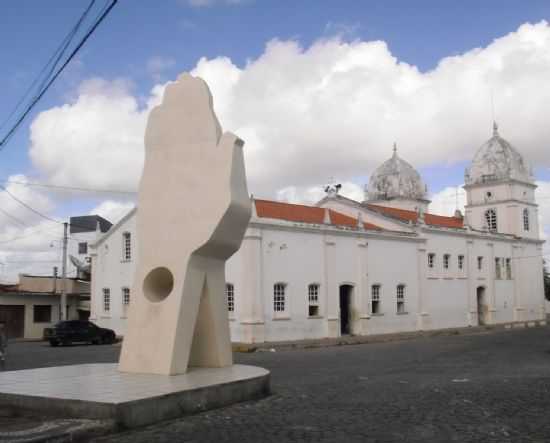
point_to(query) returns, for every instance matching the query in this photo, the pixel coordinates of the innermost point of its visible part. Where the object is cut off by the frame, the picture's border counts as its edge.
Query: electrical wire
(36, 99)
(30, 208)
(52, 63)
(68, 188)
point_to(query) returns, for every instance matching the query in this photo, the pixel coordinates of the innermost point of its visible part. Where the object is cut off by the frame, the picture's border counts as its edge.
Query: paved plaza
(492, 386)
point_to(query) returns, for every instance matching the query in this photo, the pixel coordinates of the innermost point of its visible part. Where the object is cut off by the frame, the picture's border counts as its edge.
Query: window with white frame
(106, 300)
(460, 262)
(491, 219)
(230, 296)
(279, 290)
(509, 268)
(125, 296)
(313, 299)
(375, 299)
(479, 263)
(126, 246)
(446, 261)
(400, 299)
(498, 274)
(431, 260)
(526, 219)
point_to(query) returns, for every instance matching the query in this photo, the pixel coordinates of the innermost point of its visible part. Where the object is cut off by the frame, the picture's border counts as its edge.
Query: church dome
(396, 179)
(497, 160)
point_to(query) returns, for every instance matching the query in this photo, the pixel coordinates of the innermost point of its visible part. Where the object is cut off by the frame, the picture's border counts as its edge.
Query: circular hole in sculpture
(158, 284)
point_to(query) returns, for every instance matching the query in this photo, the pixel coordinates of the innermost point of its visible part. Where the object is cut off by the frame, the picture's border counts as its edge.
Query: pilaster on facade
(331, 287)
(491, 277)
(517, 251)
(472, 295)
(422, 322)
(251, 306)
(361, 291)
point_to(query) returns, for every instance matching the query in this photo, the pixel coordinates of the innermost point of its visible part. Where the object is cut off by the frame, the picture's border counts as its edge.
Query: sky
(319, 91)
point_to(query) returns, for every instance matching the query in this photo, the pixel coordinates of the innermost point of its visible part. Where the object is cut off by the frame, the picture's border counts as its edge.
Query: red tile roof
(430, 219)
(304, 214)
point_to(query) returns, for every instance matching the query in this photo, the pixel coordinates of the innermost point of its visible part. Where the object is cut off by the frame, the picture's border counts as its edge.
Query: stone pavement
(493, 386)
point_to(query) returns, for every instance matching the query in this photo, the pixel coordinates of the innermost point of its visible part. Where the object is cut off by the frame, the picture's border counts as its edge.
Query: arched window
(526, 219)
(400, 299)
(491, 219)
(279, 290)
(126, 246)
(230, 295)
(313, 299)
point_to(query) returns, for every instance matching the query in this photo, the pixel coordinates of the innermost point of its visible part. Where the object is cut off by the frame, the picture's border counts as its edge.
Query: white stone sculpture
(193, 211)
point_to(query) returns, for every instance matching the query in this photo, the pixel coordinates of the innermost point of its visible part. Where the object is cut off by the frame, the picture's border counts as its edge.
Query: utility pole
(63, 310)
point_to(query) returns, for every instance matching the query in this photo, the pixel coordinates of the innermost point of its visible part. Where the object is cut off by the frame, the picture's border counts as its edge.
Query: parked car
(72, 331)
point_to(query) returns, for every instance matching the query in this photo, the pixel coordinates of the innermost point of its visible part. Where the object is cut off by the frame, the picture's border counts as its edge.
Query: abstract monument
(193, 210)
(176, 357)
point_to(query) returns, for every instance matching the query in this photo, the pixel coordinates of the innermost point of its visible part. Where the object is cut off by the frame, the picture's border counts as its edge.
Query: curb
(379, 338)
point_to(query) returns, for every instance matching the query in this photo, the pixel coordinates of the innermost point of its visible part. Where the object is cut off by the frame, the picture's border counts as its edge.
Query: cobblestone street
(484, 387)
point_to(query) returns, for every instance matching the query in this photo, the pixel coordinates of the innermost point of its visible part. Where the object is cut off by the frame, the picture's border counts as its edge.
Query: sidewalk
(377, 338)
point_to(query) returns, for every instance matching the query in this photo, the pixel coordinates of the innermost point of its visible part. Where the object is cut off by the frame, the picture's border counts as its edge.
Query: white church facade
(383, 265)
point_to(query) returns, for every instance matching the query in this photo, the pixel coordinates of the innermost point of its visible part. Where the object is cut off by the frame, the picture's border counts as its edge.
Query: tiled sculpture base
(100, 391)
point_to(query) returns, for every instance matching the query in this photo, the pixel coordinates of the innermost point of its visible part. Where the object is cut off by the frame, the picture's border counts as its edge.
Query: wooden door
(13, 316)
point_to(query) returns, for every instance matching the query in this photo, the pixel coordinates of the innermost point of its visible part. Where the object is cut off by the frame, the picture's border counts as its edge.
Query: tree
(546, 277)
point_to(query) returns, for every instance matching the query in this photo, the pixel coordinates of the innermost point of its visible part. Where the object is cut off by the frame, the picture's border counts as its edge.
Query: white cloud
(311, 195)
(112, 210)
(448, 200)
(332, 109)
(28, 242)
(96, 141)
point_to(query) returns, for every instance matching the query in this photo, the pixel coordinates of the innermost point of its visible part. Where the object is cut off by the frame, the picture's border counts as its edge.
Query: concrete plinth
(100, 391)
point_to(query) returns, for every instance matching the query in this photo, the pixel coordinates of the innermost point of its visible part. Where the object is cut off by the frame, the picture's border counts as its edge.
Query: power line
(69, 188)
(99, 19)
(30, 208)
(52, 63)
(12, 217)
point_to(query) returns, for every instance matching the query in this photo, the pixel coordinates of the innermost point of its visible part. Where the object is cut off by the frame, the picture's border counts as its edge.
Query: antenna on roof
(394, 148)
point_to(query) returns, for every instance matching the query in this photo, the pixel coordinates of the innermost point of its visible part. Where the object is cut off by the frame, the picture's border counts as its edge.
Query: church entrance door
(346, 292)
(481, 306)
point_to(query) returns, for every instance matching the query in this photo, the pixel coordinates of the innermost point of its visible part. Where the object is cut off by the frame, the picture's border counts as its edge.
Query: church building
(383, 265)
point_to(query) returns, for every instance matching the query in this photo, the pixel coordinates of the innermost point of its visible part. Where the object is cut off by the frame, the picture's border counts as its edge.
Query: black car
(72, 331)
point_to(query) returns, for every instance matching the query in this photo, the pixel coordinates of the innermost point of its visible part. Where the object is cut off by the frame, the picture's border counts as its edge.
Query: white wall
(298, 255)
(109, 270)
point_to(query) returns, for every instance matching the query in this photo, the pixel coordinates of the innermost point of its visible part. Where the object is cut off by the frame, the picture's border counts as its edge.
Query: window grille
(491, 219)
(375, 299)
(125, 296)
(127, 246)
(431, 260)
(106, 299)
(313, 300)
(509, 269)
(279, 297)
(461, 262)
(446, 261)
(526, 219)
(498, 274)
(230, 294)
(400, 299)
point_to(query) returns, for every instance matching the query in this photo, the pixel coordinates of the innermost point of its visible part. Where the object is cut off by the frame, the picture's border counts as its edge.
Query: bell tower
(500, 190)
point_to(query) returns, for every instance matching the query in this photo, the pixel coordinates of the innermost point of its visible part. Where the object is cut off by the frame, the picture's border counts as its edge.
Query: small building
(33, 304)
